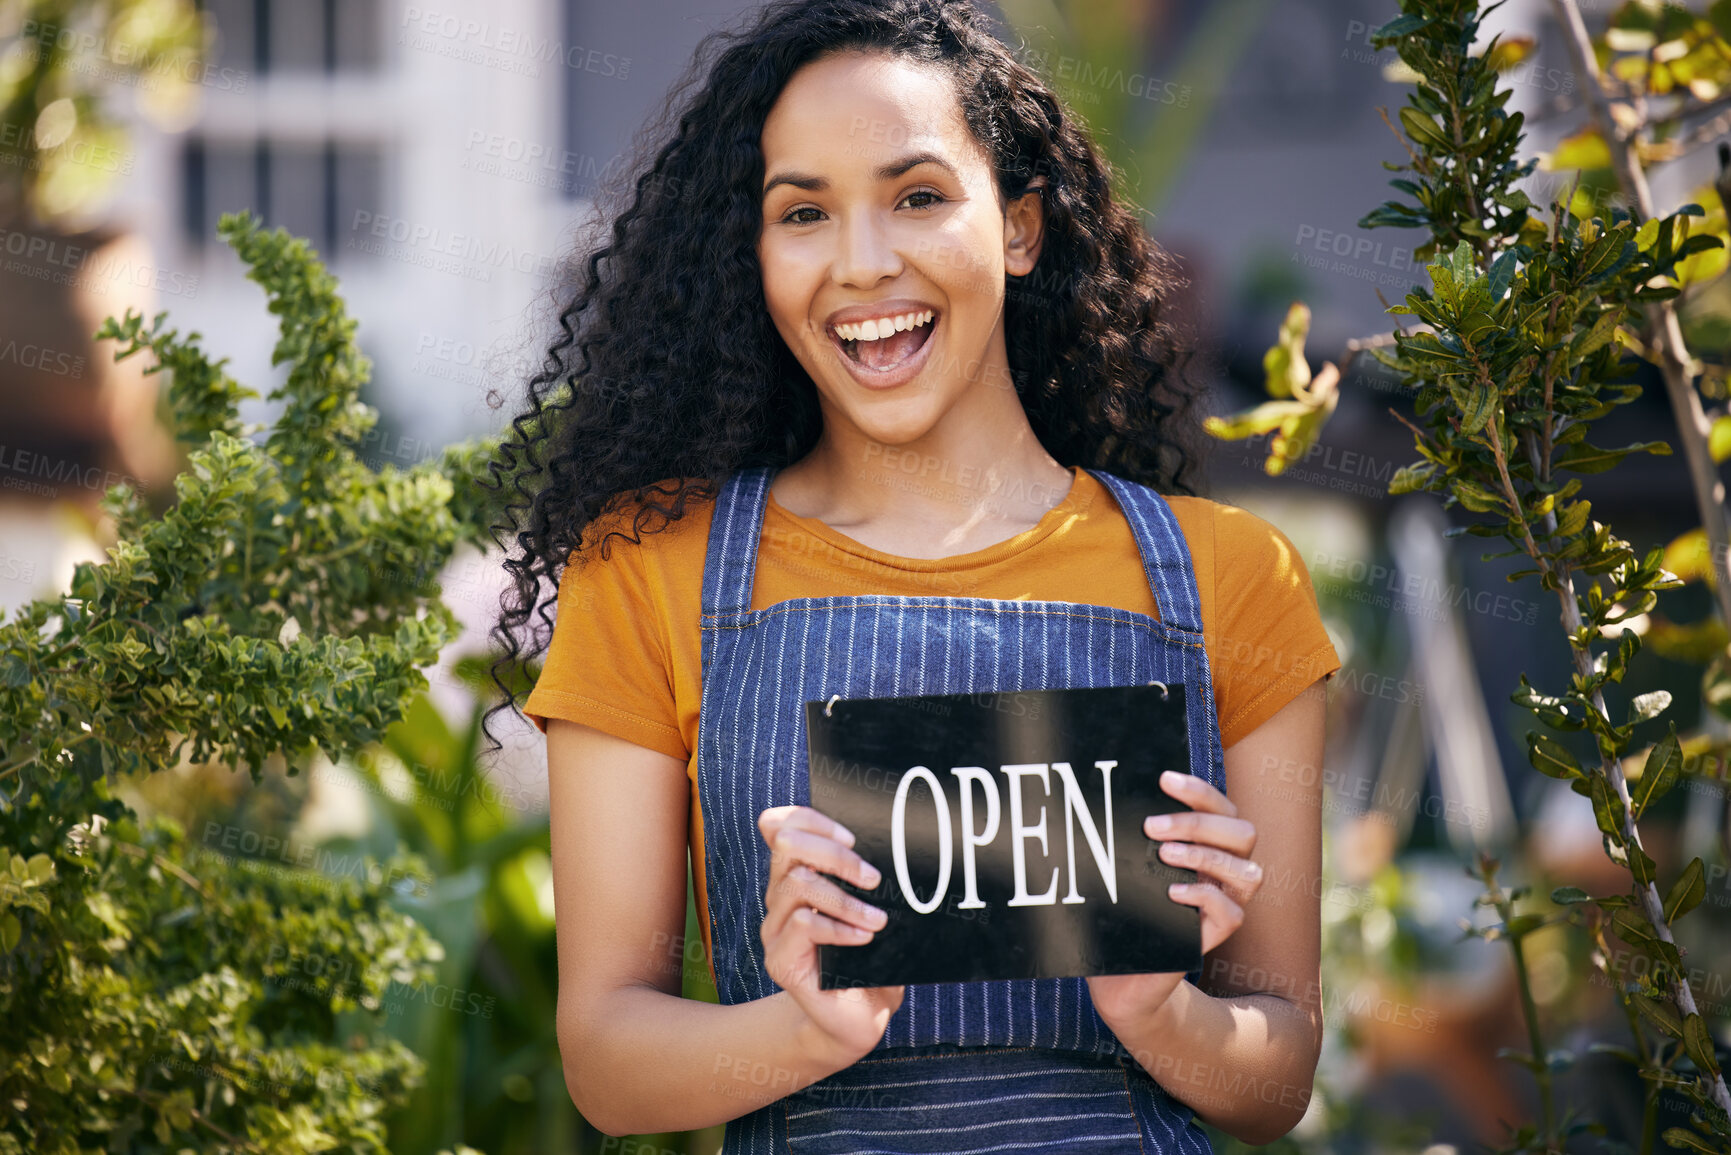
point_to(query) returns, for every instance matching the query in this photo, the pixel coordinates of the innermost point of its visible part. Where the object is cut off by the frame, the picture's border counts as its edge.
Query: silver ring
(1163, 694)
(833, 699)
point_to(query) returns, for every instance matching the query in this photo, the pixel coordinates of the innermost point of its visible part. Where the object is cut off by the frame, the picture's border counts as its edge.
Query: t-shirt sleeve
(1270, 643)
(606, 665)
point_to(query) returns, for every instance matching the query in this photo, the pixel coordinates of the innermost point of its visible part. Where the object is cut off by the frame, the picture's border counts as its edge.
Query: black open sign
(1008, 830)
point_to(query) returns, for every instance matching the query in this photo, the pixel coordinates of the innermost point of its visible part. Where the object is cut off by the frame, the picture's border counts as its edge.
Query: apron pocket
(973, 1100)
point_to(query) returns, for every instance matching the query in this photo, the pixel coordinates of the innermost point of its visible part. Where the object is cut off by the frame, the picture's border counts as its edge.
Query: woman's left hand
(1212, 840)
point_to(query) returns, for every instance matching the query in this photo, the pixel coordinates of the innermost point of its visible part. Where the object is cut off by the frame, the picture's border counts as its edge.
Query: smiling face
(884, 247)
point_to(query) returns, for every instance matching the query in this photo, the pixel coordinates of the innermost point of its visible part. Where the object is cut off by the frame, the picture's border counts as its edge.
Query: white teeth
(879, 328)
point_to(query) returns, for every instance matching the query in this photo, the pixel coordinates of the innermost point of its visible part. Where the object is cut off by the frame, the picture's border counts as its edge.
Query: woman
(872, 393)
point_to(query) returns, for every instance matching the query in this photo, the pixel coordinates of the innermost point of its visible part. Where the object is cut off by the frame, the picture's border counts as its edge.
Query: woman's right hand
(805, 909)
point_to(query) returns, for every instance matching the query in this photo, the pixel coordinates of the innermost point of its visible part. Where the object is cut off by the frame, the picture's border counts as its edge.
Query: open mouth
(879, 346)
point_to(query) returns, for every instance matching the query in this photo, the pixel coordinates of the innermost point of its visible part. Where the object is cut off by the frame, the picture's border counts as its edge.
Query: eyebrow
(890, 171)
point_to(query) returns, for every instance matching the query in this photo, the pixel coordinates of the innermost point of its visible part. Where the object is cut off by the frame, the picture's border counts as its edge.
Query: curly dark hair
(668, 375)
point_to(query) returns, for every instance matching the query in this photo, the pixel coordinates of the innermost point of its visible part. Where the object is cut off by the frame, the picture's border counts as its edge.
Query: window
(267, 36)
(311, 184)
(312, 189)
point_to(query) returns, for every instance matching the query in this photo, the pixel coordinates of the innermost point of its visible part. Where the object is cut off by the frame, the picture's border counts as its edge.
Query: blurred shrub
(155, 992)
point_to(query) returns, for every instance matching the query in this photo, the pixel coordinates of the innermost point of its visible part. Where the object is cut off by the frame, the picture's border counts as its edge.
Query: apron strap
(733, 536)
(1165, 556)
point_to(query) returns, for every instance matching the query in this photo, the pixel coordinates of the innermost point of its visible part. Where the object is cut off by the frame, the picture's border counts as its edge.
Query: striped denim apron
(962, 1067)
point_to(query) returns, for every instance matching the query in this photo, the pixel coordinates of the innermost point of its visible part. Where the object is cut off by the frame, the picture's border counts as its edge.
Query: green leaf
(1607, 808)
(1699, 1043)
(1296, 435)
(1480, 408)
(1404, 25)
(1659, 773)
(1502, 272)
(1686, 1140)
(1461, 264)
(1554, 712)
(1699, 243)
(1423, 130)
(1686, 892)
(1584, 458)
(1476, 499)
(1632, 927)
(1411, 478)
(1569, 895)
(1573, 518)
(11, 930)
(1391, 213)
(1660, 1014)
(1590, 341)
(1425, 346)
(39, 869)
(1476, 326)
(1265, 418)
(1286, 370)
(1641, 865)
(1550, 757)
(1646, 706)
(1606, 256)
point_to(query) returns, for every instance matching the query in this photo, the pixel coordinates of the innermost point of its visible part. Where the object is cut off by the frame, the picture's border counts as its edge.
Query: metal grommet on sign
(1163, 694)
(833, 699)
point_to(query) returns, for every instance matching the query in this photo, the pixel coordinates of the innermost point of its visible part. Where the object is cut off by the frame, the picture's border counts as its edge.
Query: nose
(865, 252)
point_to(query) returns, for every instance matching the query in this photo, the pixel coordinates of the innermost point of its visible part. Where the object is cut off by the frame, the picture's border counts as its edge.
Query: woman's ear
(1024, 228)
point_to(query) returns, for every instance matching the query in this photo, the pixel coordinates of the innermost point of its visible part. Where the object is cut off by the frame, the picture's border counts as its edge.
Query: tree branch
(1674, 362)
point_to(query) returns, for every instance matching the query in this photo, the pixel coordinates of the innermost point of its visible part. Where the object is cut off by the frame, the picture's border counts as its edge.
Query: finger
(1238, 877)
(776, 819)
(792, 962)
(816, 927)
(1197, 793)
(1234, 835)
(801, 818)
(1220, 915)
(804, 887)
(792, 845)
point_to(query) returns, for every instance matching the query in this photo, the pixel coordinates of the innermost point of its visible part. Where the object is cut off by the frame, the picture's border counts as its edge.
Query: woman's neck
(953, 491)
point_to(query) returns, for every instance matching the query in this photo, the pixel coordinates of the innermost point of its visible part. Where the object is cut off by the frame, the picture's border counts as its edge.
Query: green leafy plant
(1520, 353)
(147, 1000)
(495, 1067)
(1545, 1062)
(495, 1058)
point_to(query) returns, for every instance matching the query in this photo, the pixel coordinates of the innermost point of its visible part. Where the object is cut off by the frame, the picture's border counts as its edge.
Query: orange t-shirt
(625, 655)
